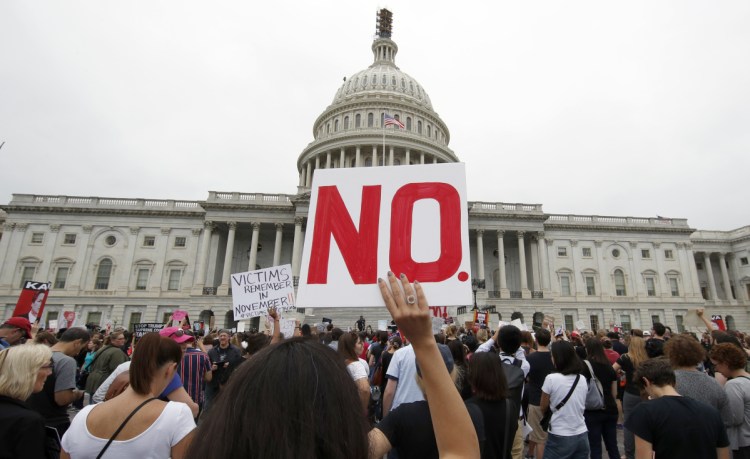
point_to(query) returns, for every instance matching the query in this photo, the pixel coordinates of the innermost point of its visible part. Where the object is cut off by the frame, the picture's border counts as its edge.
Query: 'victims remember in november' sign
(364, 222)
(254, 292)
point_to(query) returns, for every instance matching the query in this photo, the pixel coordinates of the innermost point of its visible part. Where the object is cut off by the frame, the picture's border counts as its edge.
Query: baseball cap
(177, 334)
(445, 353)
(646, 333)
(575, 334)
(21, 323)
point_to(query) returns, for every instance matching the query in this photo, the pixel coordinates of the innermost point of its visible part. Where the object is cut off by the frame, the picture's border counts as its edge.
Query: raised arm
(454, 430)
(274, 315)
(706, 322)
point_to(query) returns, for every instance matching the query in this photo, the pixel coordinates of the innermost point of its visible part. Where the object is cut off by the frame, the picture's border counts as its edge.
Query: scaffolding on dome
(384, 22)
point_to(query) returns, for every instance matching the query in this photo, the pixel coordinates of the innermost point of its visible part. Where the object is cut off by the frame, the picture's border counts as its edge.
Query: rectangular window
(650, 286)
(52, 315)
(674, 287)
(135, 318)
(180, 241)
(70, 239)
(61, 277)
(37, 238)
(590, 286)
(562, 251)
(680, 324)
(27, 275)
(142, 281)
(743, 261)
(174, 279)
(586, 252)
(698, 265)
(594, 322)
(569, 322)
(704, 292)
(565, 285)
(645, 254)
(149, 241)
(165, 317)
(94, 318)
(655, 319)
(625, 322)
(668, 254)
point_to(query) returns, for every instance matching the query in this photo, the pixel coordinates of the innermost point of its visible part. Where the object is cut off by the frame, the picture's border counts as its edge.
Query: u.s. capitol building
(132, 260)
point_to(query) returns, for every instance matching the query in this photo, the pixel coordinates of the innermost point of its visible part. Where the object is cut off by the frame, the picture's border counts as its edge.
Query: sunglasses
(178, 334)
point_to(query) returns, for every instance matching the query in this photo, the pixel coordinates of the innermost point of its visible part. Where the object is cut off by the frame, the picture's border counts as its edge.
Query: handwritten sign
(141, 329)
(253, 292)
(287, 327)
(364, 222)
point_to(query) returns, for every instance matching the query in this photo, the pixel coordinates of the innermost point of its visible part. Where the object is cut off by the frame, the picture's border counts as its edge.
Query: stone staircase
(346, 317)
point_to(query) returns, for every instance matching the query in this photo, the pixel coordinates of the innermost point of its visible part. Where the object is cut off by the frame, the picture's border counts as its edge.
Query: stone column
(739, 291)
(390, 157)
(709, 271)
(543, 261)
(277, 245)
(357, 157)
(46, 269)
(200, 276)
(296, 245)
(693, 270)
(407, 159)
(434, 160)
(725, 276)
(522, 263)
(342, 158)
(317, 162)
(501, 262)
(328, 159)
(5, 248)
(302, 176)
(534, 262)
(308, 172)
(421, 158)
(374, 156)
(480, 254)
(254, 247)
(228, 256)
(639, 286)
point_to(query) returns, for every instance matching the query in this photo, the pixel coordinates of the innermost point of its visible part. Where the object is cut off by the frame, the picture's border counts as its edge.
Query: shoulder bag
(594, 393)
(545, 422)
(122, 426)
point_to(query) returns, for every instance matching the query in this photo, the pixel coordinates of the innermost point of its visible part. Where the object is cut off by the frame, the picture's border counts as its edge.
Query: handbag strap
(591, 370)
(570, 392)
(122, 426)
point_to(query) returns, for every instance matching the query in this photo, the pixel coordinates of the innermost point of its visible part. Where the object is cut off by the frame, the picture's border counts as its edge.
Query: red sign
(31, 301)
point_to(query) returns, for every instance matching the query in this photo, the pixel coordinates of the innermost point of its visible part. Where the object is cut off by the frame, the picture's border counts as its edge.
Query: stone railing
(209, 290)
(461, 310)
(99, 202)
(537, 294)
(249, 198)
(598, 220)
(503, 207)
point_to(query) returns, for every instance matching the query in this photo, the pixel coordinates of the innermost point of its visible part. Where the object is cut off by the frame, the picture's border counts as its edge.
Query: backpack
(515, 377)
(594, 393)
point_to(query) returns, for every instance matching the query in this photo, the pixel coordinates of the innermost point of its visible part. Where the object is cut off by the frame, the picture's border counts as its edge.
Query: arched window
(346, 122)
(396, 162)
(229, 321)
(103, 273)
(336, 126)
(620, 283)
(429, 131)
(368, 161)
(411, 86)
(393, 80)
(328, 128)
(370, 119)
(408, 123)
(357, 120)
(419, 127)
(403, 84)
(364, 81)
(385, 81)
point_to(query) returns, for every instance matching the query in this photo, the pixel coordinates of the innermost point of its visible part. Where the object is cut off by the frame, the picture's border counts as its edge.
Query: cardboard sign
(69, 318)
(31, 301)
(481, 317)
(382, 325)
(287, 327)
(141, 329)
(53, 325)
(177, 316)
(253, 292)
(580, 325)
(364, 222)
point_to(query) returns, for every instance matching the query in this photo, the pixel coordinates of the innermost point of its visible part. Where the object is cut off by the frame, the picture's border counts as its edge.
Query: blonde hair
(19, 366)
(482, 335)
(637, 351)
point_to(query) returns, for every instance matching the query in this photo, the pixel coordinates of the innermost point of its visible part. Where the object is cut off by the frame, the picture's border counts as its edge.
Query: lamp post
(474, 288)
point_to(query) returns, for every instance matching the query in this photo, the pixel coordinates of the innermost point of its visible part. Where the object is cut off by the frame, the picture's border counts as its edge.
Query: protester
(105, 361)
(601, 424)
(487, 380)
(402, 384)
(156, 428)
(627, 363)
(376, 350)
(730, 361)
(60, 388)
(458, 351)
(335, 335)
(23, 371)
(350, 346)
(46, 338)
(685, 354)
(611, 354)
(195, 369)
(655, 345)
(540, 365)
(14, 331)
(567, 437)
(224, 359)
(670, 425)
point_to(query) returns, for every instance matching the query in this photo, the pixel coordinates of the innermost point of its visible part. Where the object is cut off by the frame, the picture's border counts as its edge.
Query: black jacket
(21, 430)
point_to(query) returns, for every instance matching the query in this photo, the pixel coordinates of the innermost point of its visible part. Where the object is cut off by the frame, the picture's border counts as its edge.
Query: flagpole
(383, 121)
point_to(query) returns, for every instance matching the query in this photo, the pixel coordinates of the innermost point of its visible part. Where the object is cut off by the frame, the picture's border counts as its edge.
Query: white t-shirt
(569, 420)
(403, 368)
(101, 392)
(172, 425)
(358, 370)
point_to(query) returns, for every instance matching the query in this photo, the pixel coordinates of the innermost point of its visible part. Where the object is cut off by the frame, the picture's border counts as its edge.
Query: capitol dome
(349, 132)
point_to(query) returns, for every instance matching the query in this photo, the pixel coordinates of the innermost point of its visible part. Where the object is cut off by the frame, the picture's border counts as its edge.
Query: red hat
(21, 323)
(175, 333)
(575, 334)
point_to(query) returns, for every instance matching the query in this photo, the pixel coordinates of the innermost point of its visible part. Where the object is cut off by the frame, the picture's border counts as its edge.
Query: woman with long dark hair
(601, 423)
(350, 346)
(567, 436)
(136, 423)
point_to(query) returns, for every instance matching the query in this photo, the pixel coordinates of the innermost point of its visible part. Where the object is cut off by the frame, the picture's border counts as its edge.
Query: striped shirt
(194, 366)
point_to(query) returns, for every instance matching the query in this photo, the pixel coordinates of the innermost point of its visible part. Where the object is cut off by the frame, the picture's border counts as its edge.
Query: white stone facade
(134, 260)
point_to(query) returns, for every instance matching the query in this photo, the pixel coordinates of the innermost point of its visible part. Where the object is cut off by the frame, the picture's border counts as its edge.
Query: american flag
(388, 120)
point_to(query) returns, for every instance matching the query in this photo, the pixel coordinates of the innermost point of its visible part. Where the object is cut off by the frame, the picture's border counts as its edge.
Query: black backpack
(515, 377)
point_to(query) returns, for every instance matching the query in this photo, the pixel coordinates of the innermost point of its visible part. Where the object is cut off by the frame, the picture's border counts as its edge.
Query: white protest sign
(241, 326)
(580, 325)
(53, 325)
(518, 324)
(253, 292)
(382, 325)
(364, 222)
(437, 325)
(287, 327)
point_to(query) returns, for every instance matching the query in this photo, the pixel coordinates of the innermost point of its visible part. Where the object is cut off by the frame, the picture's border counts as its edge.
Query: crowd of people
(404, 392)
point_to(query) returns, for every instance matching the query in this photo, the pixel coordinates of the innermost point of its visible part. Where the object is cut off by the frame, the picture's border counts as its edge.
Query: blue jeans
(602, 425)
(573, 447)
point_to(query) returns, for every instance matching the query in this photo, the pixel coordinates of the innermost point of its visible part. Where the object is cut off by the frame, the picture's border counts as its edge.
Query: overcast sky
(636, 108)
